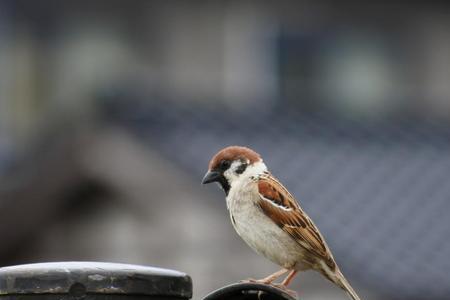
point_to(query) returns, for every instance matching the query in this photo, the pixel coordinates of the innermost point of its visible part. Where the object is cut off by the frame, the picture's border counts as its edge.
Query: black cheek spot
(241, 168)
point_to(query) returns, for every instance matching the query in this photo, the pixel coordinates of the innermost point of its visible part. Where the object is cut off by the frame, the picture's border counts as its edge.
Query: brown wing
(279, 205)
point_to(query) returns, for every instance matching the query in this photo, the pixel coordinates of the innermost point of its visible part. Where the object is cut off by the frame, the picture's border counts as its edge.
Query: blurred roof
(378, 191)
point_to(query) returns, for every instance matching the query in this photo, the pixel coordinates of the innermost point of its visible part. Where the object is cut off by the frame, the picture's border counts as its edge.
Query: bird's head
(232, 164)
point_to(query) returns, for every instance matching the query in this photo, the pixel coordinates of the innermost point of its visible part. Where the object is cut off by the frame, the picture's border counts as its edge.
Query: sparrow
(269, 219)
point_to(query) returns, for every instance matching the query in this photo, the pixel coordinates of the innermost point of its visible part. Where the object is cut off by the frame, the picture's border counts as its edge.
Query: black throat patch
(224, 184)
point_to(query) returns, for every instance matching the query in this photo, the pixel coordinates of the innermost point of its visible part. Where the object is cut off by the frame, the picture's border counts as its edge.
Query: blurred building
(110, 110)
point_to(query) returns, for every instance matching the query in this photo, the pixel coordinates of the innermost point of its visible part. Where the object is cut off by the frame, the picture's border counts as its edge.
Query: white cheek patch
(230, 173)
(255, 169)
(235, 165)
(251, 170)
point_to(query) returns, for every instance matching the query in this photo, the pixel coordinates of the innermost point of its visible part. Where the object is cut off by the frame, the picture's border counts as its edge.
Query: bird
(270, 220)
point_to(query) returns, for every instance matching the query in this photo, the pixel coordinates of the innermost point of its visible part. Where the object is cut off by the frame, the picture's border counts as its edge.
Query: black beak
(211, 176)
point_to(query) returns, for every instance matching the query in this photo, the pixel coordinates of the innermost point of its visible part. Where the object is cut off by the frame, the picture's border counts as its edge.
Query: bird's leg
(289, 278)
(274, 276)
(269, 279)
(283, 285)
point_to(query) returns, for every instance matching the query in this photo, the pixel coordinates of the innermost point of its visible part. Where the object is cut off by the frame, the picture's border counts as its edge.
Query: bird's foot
(267, 280)
(251, 280)
(277, 285)
(285, 289)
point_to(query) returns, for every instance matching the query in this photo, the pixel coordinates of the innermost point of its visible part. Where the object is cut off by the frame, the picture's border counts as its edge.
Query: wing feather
(280, 206)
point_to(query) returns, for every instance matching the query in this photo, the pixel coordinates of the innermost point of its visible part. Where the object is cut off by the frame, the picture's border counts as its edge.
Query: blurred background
(111, 110)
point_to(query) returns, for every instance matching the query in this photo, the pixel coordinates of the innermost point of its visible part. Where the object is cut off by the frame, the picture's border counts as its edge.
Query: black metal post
(249, 291)
(92, 281)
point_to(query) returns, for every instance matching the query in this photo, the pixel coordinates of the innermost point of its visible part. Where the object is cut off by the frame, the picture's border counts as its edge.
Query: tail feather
(345, 285)
(338, 278)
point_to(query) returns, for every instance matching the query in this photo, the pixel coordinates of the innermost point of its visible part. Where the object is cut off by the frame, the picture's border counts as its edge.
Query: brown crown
(232, 153)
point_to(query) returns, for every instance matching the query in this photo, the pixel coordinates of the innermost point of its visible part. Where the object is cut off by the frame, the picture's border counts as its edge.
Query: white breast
(258, 230)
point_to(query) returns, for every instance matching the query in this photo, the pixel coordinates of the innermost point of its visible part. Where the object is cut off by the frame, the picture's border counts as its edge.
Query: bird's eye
(225, 164)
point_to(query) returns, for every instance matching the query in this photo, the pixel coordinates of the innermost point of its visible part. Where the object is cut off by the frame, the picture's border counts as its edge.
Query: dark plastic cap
(80, 278)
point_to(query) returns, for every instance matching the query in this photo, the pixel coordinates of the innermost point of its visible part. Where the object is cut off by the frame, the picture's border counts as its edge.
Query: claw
(285, 289)
(269, 279)
(251, 280)
(292, 293)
